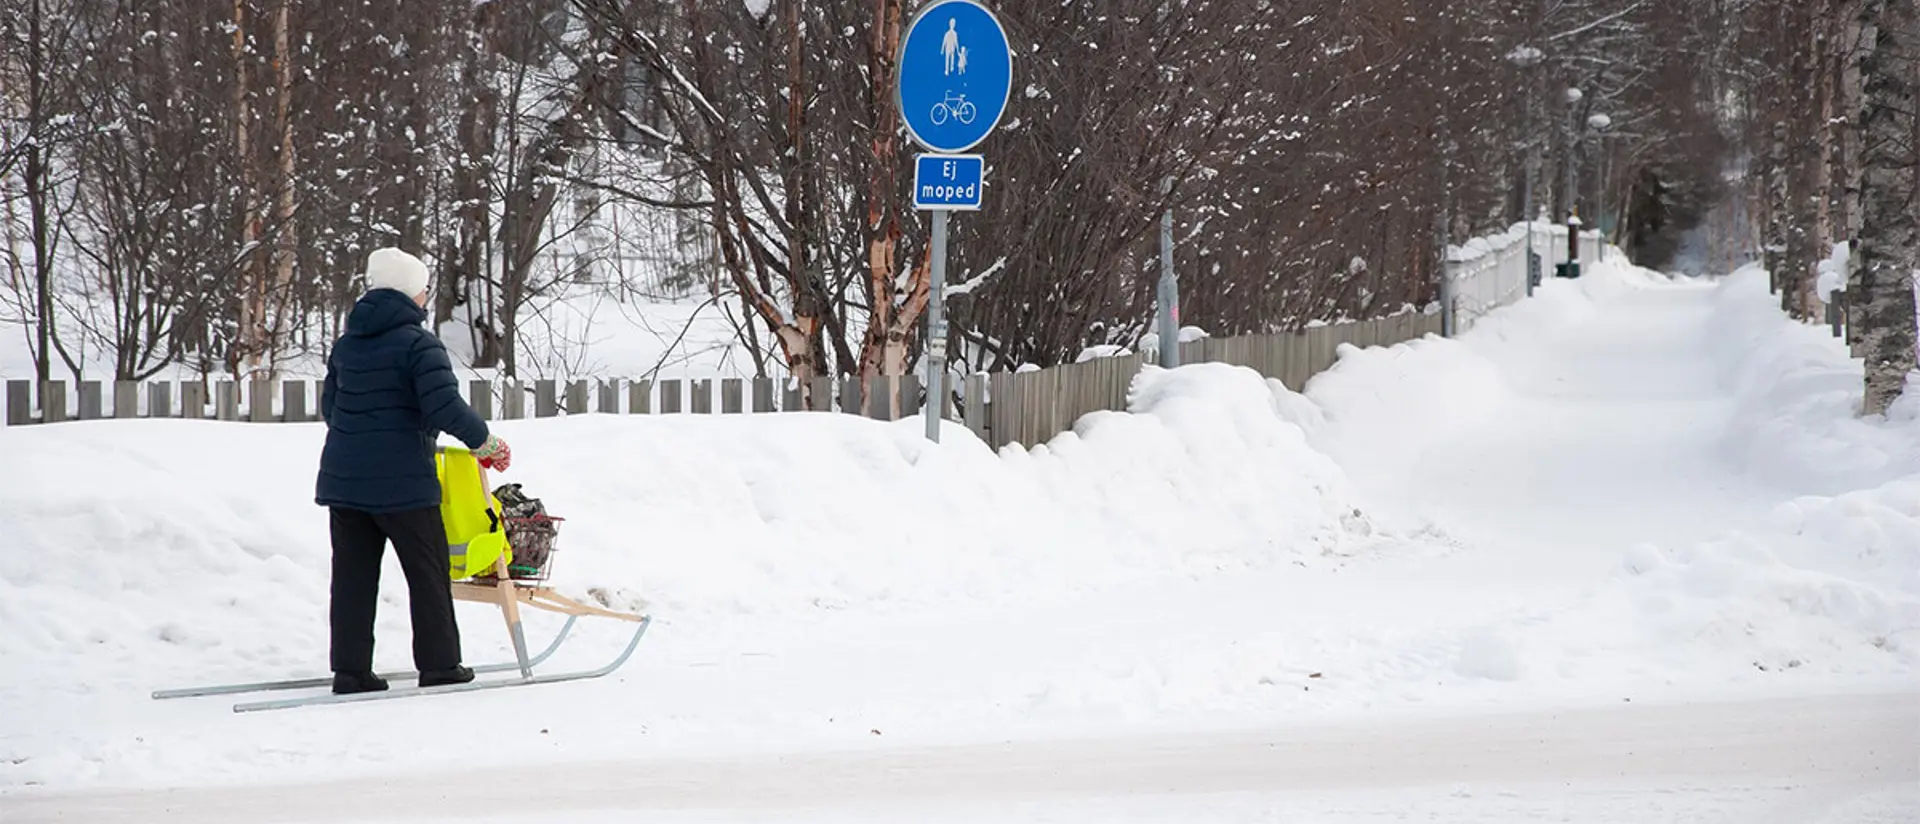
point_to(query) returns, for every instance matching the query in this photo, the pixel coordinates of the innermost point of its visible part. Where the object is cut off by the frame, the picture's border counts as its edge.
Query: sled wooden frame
(503, 592)
(509, 594)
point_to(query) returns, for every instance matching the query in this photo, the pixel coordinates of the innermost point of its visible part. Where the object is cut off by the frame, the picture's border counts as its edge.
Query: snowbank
(1798, 392)
(135, 539)
(120, 523)
(1830, 583)
(1830, 586)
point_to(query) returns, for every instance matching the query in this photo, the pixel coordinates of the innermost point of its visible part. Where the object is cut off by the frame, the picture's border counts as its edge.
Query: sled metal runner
(327, 680)
(504, 592)
(475, 685)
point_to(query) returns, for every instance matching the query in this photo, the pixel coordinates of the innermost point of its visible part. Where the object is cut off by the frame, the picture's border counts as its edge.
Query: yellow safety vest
(475, 535)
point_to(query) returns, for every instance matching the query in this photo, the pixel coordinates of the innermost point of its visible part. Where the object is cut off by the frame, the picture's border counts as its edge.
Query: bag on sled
(530, 531)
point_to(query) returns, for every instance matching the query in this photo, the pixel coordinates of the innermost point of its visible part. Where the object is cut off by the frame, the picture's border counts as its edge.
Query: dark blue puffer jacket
(390, 390)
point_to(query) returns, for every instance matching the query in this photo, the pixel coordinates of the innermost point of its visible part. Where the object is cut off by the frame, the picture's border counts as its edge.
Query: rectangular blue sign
(943, 181)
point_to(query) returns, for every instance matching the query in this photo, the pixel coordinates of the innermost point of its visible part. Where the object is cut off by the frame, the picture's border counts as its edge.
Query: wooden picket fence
(1032, 407)
(1001, 408)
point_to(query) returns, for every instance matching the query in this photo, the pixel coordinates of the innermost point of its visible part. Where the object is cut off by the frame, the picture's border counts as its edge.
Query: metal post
(1526, 202)
(1576, 139)
(1533, 261)
(1527, 56)
(1526, 187)
(937, 330)
(1169, 294)
(1446, 284)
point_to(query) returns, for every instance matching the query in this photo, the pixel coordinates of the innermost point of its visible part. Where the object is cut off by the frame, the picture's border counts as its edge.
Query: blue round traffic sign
(955, 73)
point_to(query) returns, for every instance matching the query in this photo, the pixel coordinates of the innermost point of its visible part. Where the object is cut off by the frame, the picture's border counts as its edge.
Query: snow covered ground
(1626, 491)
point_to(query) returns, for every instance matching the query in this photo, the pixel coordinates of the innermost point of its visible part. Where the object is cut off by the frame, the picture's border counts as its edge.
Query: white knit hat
(391, 268)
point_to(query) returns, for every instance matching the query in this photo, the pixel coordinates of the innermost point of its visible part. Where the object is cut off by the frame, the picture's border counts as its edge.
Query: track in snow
(1799, 758)
(1608, 438)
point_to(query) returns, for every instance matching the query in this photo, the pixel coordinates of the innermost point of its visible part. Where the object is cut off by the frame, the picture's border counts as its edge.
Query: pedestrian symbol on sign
(950, 48)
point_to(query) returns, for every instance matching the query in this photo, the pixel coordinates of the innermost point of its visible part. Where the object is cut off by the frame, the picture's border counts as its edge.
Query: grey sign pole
(1169, 293)
(936, 406)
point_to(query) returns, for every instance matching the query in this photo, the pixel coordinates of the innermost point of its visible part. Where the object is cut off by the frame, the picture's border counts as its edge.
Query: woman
(390, 390)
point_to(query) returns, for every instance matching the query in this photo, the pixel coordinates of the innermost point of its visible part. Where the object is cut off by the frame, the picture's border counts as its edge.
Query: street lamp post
(1527, 57)
(1574, 96)
(1597, 124)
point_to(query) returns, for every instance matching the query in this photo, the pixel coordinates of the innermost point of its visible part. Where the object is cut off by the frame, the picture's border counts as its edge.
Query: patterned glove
(494, 454)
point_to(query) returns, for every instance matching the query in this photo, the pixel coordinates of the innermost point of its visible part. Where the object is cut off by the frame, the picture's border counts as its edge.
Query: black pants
(420, 540)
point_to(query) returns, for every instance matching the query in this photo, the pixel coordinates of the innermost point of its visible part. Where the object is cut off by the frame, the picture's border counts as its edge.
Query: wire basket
(531, 532)
(532, 538)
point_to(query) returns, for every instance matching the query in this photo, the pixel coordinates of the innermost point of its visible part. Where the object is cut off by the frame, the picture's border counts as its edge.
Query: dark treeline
(197, 180)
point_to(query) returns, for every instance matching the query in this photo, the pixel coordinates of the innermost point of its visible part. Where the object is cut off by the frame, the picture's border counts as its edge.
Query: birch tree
(897, 299)
(1889, 256)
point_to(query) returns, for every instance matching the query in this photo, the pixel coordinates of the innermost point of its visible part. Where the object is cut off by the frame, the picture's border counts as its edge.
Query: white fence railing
(1490, 271)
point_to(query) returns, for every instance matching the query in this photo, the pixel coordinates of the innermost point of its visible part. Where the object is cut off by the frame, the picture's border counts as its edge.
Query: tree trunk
(1826, 133)
(802, 338)
(1852, 96)
(37, 171)
(1798, 216)
(1890, 234)
(284, 230)
(1776, 208)
(39, 189)
(896, 310)
(478, 120)
(248, 335)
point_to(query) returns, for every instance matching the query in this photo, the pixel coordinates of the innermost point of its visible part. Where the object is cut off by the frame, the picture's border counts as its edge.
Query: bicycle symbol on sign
(956, 107)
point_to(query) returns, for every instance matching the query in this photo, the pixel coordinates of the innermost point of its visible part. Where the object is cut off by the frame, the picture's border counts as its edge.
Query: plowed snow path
(1608, 436)
(1836, 759)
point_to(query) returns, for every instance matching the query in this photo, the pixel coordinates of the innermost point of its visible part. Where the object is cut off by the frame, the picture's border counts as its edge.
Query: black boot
(458, 674)
(350, 682)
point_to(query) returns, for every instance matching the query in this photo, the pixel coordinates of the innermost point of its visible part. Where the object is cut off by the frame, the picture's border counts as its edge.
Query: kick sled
(500, 555)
